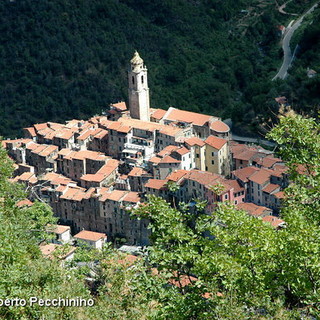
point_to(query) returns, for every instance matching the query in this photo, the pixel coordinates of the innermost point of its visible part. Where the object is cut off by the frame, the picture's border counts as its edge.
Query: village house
(217, 155)
(62, 233)
(92, 239)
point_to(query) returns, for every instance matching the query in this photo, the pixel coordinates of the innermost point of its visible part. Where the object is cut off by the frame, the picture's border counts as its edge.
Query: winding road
(287, 54)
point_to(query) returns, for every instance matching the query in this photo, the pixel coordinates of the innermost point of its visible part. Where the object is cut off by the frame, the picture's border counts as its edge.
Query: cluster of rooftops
(89, 161)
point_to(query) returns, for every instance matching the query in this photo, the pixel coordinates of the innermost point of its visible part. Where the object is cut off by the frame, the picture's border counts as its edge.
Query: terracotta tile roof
(136, 172)
(158, 114)
(48, 249)
(187, 116)
(90, 235)
(61, 188)
(40, 126)
(85, 134)
(118, 126)
(194, 141)
(177, 175)
(155, 160)
(32, 146)
(132, 197)
(268, 161)
(235, 185)
(244, 173)
(202, 177)
(45, 131)
(167, 150)
(55, 125)
(74, 123)
(253, 209)
(31, 131)
(279, 170)
(215, 142)
(24, 203)
(219, 126)
(169, 159)
(65, 134)
(73, 193)
(270, 188)
(17, 142)
(48, 151)
(83, 154)
(39, 148)
(182, 151)
(246, 155)
(109, 167)
(58, 229)
(261, 176)
(64, 152)
(279, 195)
(121, 106)
(97, 177)
(156, 184)
(115, 195)
(56, 179)
(274, 221)
(26, 177)
(101, 134)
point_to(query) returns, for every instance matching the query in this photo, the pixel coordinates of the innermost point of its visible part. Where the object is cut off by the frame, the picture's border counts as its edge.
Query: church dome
(136, 59)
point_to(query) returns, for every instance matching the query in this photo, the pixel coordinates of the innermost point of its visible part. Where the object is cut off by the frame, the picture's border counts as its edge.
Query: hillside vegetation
(68, 59)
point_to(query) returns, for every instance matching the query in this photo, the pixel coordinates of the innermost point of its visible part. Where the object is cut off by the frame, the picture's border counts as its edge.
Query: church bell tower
(139, 103)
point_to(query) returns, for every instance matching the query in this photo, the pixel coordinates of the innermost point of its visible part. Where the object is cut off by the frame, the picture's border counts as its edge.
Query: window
(142, 79)
(132, 79)
(226, 196)
(212, 153)
(212, 161)
(197, 155)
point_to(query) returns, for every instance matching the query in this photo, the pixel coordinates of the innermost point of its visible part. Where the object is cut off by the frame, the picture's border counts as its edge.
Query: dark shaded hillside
(67, 59)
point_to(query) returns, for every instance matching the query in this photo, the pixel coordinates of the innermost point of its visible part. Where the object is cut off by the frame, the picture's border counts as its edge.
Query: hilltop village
(93, 172)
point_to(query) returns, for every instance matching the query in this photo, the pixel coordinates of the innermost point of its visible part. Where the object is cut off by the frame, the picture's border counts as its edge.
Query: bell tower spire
(139, 103)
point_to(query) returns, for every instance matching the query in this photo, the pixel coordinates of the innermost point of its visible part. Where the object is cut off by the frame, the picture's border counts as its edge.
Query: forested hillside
(67, 59)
